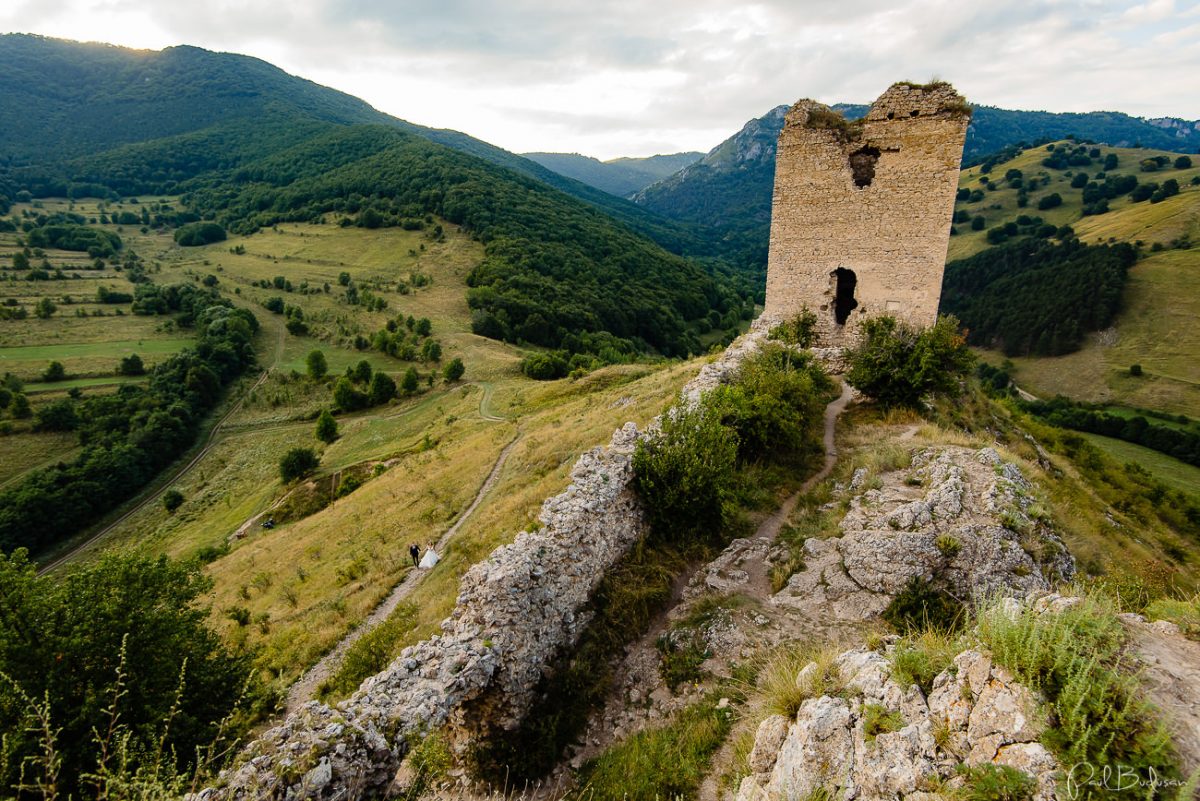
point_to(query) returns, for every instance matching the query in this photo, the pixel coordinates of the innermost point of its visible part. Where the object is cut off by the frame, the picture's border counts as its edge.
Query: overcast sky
(637, 77)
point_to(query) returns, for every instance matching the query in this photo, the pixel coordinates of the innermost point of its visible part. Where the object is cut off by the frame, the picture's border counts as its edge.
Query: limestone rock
(951, 518)
(979, 712)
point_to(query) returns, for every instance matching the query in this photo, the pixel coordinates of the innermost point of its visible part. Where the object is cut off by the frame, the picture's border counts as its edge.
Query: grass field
(1158, 329)
(1126, 221)
(1172, 472)
(90, 359)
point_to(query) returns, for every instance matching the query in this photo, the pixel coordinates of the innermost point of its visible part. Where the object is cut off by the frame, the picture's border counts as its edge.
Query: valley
(255, 350)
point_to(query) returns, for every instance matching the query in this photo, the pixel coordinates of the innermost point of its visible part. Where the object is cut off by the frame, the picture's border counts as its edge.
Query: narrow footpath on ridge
(644, 651)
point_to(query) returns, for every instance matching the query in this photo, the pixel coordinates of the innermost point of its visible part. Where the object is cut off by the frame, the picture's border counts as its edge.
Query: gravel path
(306, 685)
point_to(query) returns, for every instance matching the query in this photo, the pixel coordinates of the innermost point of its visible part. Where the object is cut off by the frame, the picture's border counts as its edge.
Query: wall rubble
(516, 613)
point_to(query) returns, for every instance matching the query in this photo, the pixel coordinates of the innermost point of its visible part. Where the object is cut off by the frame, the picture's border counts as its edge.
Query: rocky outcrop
(878, 739)
(961, 519)
(516, 613)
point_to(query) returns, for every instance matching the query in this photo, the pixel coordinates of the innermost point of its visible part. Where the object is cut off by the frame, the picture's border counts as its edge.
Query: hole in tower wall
(862, 164)
(843, 297)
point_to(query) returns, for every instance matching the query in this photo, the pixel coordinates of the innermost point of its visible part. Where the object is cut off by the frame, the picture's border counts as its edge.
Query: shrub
(44, 309)
(297, 463)
(316, 365)
(1183, 162)
(124, 628)
(978, 223)
(347, 398)
(383, 388)
(132, 365)
(800, 330)
(410, 381)
(685, 474)
(1077, 659)
(1050, 201)
(360, 373)
(172, 499)
(54, 372)
(454, 370)
(20, 407)
(897, 365)
(57, 416)
(327, 430)
(921, 606)
(1135, 370)
(199, 233)
(544, 366)
(773, 403)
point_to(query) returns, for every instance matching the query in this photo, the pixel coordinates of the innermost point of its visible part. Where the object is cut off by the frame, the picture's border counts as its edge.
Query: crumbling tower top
(861, 212)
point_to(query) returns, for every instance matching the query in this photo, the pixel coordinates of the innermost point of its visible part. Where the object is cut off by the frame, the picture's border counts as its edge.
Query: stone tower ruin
(861, 213)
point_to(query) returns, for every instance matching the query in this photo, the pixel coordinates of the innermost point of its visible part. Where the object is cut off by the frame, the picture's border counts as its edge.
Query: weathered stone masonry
(861, 213)
(517, 612)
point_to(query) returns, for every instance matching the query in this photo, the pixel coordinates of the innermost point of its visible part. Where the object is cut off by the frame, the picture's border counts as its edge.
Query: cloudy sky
(637, 77)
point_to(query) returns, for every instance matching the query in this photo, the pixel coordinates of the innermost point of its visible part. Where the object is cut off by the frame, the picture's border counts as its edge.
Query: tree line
(1037, 297)
(1180, 443)
(128, 437)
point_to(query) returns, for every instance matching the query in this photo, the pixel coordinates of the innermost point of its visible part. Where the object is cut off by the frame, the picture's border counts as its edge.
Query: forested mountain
(159, 117)
(622, 176)
(249, 145)
(730, 188)
(66, 99)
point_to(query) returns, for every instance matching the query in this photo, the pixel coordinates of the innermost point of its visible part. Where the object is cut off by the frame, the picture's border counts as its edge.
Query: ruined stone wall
(876, 198)
(517, 612)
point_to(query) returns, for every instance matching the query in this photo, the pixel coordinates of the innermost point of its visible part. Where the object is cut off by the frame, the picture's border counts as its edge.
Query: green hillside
(68, 98)
(559, 272)
(1155, 326)
(81, 118)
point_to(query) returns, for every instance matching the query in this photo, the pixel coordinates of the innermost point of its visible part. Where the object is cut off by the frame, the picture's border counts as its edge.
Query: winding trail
(643, 651)
(306, 685)
(770, 527)
(759, 584)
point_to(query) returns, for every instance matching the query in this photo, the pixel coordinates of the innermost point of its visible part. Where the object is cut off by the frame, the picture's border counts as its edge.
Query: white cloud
(625, 77)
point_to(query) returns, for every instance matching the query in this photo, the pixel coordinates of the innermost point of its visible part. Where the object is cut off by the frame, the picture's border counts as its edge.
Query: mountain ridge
(620, 176)
(730, 188)
(167, 93)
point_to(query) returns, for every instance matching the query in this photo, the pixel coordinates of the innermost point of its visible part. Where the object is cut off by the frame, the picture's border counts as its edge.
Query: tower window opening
(843, 298)
(862, 165)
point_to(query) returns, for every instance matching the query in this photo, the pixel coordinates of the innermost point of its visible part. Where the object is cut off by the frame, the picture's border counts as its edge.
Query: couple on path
(429, 560)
